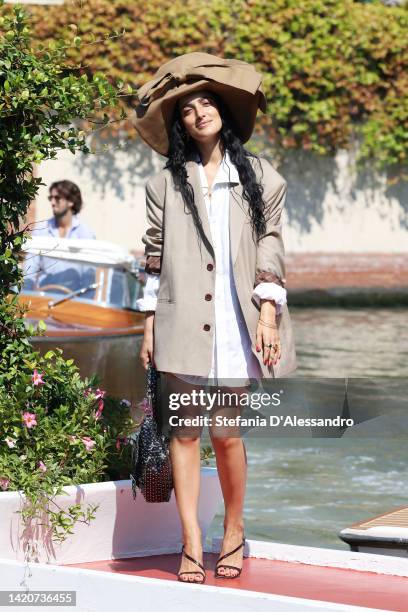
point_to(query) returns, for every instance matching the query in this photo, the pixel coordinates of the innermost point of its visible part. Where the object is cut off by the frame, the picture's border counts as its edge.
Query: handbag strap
(154, 394)
(151, 384)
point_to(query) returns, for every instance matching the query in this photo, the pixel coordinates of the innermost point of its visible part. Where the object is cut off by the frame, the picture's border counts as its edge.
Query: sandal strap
(228, 554)
(193, 560)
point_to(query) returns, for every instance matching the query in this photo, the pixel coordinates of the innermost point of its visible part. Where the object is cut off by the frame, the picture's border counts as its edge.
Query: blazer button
(206, 327)
(208, 297)
(210, 267)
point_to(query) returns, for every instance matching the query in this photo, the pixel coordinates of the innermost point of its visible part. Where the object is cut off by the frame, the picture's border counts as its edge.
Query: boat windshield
(109, 285)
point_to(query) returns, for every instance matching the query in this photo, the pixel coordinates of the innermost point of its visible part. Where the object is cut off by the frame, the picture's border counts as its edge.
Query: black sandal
(239, 569)
(183, 552)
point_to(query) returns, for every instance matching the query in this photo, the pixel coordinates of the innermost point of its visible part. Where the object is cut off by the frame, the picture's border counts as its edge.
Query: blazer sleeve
(153, 238)
(270, 257)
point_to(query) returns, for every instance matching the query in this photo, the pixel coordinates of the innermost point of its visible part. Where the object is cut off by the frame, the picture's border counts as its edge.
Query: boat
(385, 534)
(86, 291)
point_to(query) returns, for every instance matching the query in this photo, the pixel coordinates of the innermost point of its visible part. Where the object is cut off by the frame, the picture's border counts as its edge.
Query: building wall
(330, 207)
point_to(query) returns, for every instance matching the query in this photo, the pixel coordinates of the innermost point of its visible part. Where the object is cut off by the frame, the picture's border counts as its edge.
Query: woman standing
(214, 299)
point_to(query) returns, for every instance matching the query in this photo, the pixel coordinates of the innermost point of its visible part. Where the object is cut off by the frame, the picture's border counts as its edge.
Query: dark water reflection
(305, 490)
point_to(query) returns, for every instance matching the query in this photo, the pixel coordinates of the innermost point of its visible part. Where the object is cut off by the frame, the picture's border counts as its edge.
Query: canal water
(304, 490)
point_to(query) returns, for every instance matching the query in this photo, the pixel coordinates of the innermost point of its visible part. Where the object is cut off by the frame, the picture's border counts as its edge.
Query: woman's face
(200, 115)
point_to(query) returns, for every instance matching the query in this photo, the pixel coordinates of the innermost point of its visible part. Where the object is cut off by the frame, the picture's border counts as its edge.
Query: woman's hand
(146, 350)
(267, 333)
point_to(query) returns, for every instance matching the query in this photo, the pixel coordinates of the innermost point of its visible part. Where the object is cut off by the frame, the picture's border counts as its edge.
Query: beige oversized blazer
(185, 315)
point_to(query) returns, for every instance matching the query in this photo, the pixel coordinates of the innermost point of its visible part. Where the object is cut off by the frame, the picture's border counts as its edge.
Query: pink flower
(37, 378)
(29, 419)
(99, 393)
(99, 411)
(72, 438)
(120, 441)
(42, 466)
(11, 442)
(89, 443)
(4, 483)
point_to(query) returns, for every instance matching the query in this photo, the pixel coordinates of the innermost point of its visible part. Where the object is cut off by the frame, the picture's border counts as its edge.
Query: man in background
(66, 201)
(40, 270)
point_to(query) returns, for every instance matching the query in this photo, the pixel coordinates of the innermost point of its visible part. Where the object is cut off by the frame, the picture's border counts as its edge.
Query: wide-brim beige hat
(235, 81)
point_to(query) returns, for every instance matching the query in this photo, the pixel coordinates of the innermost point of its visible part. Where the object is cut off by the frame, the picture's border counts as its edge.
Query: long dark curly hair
(181, 146)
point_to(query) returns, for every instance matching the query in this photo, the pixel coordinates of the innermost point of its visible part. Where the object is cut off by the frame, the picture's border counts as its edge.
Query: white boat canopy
(80, 249)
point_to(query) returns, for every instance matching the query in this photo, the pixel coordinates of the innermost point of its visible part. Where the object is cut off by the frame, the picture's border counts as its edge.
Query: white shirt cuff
(150, 291)
(270, 291)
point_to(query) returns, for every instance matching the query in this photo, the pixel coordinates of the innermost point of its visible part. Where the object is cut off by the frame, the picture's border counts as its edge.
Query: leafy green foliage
(333, 69)
(55, 429)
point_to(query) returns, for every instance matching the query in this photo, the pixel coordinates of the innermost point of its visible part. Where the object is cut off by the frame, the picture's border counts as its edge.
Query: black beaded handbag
(150, 459)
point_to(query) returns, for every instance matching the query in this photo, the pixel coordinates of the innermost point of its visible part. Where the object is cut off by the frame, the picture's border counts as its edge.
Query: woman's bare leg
(232, 470)
(185, 459)
(186, 467)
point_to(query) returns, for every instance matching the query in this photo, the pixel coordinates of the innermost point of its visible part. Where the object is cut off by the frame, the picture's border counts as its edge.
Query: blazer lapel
(193, 178)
